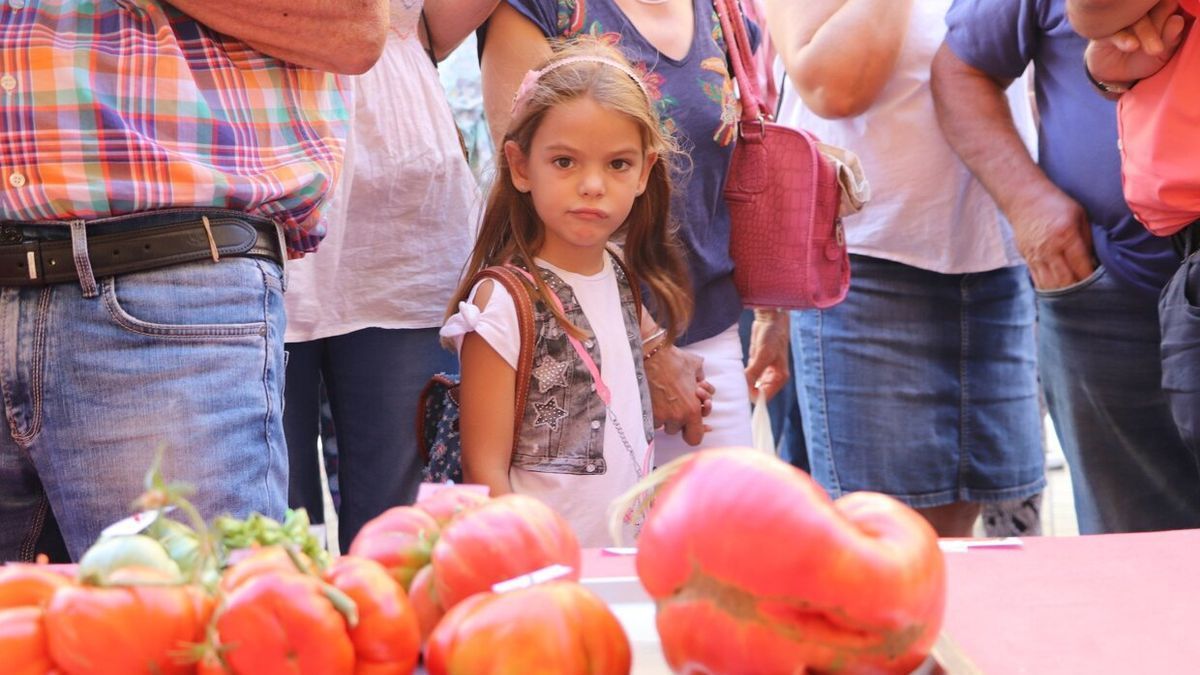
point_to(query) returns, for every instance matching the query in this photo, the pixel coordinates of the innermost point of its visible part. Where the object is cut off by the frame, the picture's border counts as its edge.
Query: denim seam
(964, 432)
(5, 391)
(266, 311)
(193, 332)
(28, 549)
(834, 479)
(24, 437)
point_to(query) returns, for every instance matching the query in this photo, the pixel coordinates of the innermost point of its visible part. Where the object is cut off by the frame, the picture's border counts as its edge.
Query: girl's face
(585, 167)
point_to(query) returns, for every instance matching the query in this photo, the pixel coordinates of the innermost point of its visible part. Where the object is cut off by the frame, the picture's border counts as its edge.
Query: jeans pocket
(1179, 319)
(1070, 289)
(228, 299)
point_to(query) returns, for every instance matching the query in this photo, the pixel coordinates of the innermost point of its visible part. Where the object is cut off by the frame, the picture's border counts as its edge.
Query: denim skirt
(923, 386)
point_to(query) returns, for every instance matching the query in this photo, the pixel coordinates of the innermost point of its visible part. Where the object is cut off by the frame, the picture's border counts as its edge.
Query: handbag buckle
(761, 120)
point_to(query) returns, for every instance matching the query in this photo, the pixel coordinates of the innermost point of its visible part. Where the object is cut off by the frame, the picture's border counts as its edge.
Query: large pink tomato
(755, 570)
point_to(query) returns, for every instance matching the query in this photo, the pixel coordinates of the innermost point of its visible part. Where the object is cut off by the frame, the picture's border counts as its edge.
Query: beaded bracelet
(658, 347)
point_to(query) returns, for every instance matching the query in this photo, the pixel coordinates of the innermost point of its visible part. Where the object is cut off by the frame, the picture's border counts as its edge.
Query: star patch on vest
(550, 374)
(549, 414)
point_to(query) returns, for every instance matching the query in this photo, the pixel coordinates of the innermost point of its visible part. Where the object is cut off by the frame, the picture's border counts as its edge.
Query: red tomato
(124, 629)
(424, 602)
(23, 649)
(449, 501)
(386, 638)
(504, 538)
(283, 623)
(400, 539)
(755, 570)
(558, 627)
(28, 585)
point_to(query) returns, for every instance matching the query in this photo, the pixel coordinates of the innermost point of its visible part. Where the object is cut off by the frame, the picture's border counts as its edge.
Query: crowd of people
(203, 201)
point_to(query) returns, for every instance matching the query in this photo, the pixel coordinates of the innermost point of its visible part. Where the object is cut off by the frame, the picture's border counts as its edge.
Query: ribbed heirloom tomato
(503, 538)
(139, 625)
(280, 623)
(400, 539)
(449, 501)
(425, 604)
(23, 649)
(755, 570)
(28, 585)
(558, 627)
(386, 638)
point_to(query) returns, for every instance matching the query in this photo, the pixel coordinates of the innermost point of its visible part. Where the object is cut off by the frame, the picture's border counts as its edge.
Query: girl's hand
(1140, 50)
(767, 368)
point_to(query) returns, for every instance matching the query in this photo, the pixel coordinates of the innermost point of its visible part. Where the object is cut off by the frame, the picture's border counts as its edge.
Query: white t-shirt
(582, 499)
(403, 219)
(926, 208)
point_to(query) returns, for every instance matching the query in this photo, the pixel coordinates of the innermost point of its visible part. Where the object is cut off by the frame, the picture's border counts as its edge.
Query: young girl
(584, 160)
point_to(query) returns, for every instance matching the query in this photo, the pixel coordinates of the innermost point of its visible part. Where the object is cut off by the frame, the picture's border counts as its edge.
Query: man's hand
(1141, 49)
(1055, 238)
(679, 394)
(767, 367)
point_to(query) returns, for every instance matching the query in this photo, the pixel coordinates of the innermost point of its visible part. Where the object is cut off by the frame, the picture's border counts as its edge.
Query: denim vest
(563, 427)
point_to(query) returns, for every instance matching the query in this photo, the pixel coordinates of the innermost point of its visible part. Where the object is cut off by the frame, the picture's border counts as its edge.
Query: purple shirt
(1077, 137)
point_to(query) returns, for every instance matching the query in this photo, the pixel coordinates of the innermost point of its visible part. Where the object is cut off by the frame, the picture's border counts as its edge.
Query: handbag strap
(741, 59)
(519, 291)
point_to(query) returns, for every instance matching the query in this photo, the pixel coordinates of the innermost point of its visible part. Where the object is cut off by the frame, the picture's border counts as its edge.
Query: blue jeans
(373, 378)
(1098, 346)
(923, 386)
(187, 360)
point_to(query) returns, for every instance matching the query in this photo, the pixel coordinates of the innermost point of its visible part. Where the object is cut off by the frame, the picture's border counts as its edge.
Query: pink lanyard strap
(601, 388)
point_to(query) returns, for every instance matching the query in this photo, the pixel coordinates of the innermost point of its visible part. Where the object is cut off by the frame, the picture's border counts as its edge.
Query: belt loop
(283, 256)
(83, 263)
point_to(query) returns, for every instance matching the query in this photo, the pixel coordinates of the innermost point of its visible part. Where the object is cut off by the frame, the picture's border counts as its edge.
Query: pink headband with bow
(531, 78)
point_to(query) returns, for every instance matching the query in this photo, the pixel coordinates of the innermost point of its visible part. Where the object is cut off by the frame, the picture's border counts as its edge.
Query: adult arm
(513, 47)
(451, 21)
(342, 36)
(767, 366)
(487, 407)
(680, 396)
(838, 53)
(1139, 50)
(1052, 230)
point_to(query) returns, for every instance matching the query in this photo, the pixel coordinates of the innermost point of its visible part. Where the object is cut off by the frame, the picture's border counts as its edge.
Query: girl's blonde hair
(511, 231)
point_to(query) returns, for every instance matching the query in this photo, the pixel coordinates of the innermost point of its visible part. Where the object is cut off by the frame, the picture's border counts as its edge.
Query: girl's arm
(838, 53)
(486, 410)
(451, 21)
(513, 47)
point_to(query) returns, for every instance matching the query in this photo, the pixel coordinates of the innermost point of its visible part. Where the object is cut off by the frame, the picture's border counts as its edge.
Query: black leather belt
(43, 262)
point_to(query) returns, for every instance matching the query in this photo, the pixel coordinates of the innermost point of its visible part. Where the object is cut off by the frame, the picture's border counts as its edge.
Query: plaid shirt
(120, 106)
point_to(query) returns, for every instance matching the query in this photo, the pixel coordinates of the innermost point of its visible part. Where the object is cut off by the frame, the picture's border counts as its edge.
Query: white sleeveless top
(402, 223)
(926, 208)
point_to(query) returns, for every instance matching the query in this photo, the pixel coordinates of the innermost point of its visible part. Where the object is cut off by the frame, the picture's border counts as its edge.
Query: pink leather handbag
(786, 238)
(1159, 122)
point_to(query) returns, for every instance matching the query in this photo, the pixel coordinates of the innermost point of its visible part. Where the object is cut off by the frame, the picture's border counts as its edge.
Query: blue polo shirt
(1077, 136)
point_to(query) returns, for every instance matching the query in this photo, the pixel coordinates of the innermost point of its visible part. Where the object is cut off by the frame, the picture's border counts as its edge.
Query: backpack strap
(526, 326)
